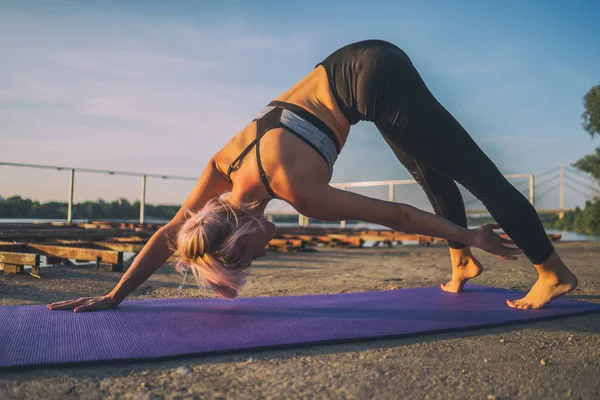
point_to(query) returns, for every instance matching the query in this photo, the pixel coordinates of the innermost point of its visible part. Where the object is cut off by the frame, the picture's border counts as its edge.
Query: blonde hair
(208, 244)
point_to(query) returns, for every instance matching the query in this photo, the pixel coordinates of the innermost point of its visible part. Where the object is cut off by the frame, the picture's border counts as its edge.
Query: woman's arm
(331, 204)
(158, 250)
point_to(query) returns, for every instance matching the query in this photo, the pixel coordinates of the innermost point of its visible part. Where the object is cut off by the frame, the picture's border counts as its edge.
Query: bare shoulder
(232, 149)
(220, 163)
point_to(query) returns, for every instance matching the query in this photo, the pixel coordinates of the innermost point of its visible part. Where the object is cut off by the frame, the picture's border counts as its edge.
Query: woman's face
(256, 242)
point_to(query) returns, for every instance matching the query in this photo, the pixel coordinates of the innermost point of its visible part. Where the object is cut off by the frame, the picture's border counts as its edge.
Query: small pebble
(69, 390)
(183, 371)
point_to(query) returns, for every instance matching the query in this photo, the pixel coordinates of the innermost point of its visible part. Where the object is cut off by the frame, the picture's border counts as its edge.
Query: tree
(591, 115)
(590, 164)
(591, 123)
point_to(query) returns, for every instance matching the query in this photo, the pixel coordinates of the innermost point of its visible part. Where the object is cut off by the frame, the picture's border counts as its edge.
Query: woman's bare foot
(555, 280)
(464, 267)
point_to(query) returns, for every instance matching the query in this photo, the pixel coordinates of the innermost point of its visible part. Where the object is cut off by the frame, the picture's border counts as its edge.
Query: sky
(160, 87)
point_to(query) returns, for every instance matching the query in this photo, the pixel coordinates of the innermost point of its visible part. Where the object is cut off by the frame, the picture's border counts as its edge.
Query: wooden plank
(89, 235)
(425, 240)
(286, 245)
(101, 245)
(129, 247)
(20, 258)
(306, 238)
(377, 238)
(402, 237)
(73, 242)
(354, 242)
(346, 241)
(12, 268)
(379, 232)
(97, 226)
(323, 239)
(297, 243)
(105, 256)
(131, 239)
(69, 243)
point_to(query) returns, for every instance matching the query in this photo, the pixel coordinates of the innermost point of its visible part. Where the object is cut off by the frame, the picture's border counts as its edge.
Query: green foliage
(121, 209)
(588, 219)
(591, 115)
(590, 164)
(582, 221)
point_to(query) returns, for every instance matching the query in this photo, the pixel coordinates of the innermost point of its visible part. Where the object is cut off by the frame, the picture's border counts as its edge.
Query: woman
(288, 152)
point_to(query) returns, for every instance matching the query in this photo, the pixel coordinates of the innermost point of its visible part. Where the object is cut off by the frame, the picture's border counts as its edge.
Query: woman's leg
(442, 192)
(447, 202)
(418, 124)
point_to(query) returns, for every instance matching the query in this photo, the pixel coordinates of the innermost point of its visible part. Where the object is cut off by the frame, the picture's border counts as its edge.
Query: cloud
(158, 97)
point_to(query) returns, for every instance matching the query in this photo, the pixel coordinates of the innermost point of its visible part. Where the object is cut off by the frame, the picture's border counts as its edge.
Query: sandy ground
(495, 363)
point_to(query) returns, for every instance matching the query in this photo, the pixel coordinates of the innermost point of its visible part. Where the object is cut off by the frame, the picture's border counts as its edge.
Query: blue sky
(159, 88)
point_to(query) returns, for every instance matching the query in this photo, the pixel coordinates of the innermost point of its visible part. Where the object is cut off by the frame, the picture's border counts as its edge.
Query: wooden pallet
(105, 242)
(15, 256)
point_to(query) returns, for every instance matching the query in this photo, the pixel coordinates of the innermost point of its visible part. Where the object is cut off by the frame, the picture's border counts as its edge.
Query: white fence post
(143, 201)
(343, 223)
(531, 191)
(71, 191)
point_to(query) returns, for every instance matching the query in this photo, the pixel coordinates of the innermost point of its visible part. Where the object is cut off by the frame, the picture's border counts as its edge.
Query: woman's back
(290, 164)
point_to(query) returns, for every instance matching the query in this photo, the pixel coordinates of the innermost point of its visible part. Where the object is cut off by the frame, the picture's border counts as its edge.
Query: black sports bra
(263, 125)
(272, 120)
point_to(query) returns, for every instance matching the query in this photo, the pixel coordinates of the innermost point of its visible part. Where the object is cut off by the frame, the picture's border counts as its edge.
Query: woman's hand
(85, 304)
(486, 239)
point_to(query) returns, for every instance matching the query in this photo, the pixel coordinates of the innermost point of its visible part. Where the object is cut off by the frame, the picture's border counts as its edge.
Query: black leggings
(438, 152)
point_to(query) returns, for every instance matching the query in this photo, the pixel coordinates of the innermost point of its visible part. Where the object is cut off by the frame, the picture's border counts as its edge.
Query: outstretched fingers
(506, 252)
(509, 253)
(84, 304)
(88, 306)
(66, 305)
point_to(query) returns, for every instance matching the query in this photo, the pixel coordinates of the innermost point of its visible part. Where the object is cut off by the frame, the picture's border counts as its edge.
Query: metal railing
(391, 186)
(72, 170)
(302, 220)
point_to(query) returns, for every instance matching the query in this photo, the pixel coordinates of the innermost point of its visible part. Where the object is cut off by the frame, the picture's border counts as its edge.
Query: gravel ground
(541, 360)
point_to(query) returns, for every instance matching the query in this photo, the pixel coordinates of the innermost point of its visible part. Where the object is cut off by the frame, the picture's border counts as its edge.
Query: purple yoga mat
(153, 329)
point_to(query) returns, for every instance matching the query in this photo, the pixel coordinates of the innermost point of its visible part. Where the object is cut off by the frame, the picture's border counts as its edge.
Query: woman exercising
(288, 152)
